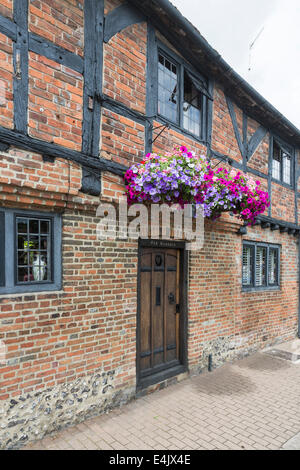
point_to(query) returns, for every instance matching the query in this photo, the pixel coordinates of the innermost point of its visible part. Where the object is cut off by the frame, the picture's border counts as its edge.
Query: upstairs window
(191, 106)
(282, 163)
(168, 89)
(260, 265)
(182, 95)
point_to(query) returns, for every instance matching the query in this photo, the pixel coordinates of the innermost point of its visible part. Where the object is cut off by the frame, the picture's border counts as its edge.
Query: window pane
(286, 160)
(260, 266)
(34, 226)
(247, 265)
(167, 89)
(23, 226)
(191, 107)
(273, 266)
(276, 161)
(33, 250)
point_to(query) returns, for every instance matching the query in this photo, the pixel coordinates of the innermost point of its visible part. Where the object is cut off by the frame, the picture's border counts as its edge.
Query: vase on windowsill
(39, 268)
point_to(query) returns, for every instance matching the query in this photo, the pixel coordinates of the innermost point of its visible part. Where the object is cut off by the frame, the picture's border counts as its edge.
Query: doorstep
(289, 351)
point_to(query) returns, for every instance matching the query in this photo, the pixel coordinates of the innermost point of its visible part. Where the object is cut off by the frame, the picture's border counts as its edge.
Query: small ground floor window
(261, 265)
(30, 251)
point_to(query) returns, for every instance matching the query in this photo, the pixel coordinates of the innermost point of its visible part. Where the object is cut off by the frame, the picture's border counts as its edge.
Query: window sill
(180, 129)
(30, 289)
(285, 185)
(261, 289)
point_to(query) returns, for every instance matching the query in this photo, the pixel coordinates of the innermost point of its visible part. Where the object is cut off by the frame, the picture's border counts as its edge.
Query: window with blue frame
(182, 95)
(33, 250)
(282, 163)
(30, 251)
(260, 265)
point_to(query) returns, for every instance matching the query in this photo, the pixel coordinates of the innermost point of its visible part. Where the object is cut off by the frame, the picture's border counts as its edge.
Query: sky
(230, 26)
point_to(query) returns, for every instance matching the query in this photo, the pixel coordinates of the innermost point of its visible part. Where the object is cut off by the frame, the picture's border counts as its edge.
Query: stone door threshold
(289, 351)
(284, 355)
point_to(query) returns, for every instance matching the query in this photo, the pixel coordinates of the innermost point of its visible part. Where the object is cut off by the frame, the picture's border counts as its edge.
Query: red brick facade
(54, 339)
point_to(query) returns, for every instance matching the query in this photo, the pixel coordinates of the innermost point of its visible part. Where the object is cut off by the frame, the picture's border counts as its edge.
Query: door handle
(171, 298)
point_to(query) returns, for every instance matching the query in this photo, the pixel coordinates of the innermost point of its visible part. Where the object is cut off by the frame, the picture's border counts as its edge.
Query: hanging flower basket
(182, 177)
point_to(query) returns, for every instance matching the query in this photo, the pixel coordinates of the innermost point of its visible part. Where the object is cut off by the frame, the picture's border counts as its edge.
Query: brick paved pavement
(251, 404)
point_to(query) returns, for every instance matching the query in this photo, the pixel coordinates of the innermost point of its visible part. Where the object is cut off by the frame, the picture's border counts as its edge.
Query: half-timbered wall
(78, 85)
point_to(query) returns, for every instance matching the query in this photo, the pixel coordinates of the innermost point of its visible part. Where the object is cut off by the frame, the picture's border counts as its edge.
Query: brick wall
(234, 322)
(6, 8)
(110, 5)
(170, 138)
(76, 348)
(59, 21)
(223, 138)
(55, 102)
(125, 67)
(122, 139)
(283, 206)
(260, 159)
(53, 338)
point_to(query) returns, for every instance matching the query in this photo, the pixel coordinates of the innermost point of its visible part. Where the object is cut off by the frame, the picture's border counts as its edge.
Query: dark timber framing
(151, 86)
(120, 18)
(247, 148)
(98, 29)
(270, 173)
(93, 67)
(20, 82)
(237, 134)
(8, 28)
(16, 139)
(42, 46)
(56, 53)
(255, 141)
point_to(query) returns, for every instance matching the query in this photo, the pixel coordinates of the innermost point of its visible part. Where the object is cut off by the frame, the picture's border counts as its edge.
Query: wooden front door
(160, 292)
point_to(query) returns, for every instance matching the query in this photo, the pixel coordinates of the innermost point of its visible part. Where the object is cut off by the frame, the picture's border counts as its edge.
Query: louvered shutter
(247, 265)
(260, 266)
(273, 266)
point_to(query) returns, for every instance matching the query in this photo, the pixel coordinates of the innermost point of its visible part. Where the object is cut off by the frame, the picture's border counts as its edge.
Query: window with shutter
(260, 265)
(273, 266)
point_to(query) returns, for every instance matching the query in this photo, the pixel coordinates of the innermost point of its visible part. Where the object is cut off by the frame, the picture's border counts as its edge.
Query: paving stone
(209, 411)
